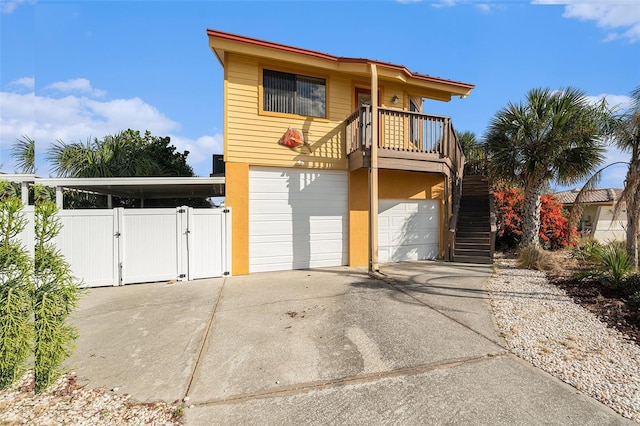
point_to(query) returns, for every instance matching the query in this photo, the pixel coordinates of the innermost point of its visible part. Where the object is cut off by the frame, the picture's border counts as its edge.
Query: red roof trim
(326, 56)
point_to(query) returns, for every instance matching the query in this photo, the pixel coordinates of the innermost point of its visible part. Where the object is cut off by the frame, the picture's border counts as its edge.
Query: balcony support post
(447, 218)
(373, 175)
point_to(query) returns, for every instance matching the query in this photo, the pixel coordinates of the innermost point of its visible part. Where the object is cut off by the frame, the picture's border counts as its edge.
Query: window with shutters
(294, 94)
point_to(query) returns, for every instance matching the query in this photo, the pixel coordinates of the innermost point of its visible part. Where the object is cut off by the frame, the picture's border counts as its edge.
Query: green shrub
(56, 295)
(631, 284)
(615, 264)
(634, 300)
(16, 288)
(586, 249)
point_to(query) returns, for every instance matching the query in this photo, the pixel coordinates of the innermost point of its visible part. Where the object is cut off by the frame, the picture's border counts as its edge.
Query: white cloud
(76, 118)
(482, 7)
(200, 150)
(8, 6)
(444, 3)
(75, 85)
(621, 16)
(24, 82)
(618, 102)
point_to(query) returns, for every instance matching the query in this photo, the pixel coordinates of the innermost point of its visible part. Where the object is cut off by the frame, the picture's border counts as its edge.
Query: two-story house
(374, 180)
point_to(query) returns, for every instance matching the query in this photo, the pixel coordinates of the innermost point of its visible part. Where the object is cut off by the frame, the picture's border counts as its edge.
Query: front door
(362, 97)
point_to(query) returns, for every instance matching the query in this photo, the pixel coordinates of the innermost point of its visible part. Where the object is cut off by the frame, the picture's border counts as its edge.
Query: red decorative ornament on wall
(292, 138)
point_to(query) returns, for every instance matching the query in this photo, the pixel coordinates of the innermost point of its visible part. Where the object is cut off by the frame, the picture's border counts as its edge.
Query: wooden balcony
(406, 141)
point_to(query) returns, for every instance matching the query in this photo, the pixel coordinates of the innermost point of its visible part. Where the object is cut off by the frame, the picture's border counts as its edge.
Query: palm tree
(553, 136)
(467, 140)
(474, 152)
(627, 139)
(24, 151)
(111, 157)
(121, 155)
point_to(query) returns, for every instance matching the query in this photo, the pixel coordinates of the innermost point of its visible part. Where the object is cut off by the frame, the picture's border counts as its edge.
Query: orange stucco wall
(358, 218)
(393, 184)
(413, 185)
(237, 197)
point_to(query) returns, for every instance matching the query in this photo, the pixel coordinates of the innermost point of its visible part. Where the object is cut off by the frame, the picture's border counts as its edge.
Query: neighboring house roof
(597, 195)
(221, 42)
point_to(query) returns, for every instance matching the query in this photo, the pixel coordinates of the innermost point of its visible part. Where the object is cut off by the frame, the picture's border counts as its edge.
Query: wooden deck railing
(413, 136)
(406, 131)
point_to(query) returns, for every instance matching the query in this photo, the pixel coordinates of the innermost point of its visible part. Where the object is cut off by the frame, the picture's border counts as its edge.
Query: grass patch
(538, 259)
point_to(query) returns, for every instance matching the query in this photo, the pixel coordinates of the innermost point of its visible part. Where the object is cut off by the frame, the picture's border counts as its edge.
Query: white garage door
(297, 219)
(408, 230)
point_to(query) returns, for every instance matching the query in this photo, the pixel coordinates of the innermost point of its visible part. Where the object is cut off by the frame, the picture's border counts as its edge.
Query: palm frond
(630, 193)
(24, 152)
(75, 159)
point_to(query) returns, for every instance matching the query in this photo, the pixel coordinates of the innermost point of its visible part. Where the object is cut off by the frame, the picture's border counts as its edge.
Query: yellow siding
(395, 129)
(253, 137)
(388, 91)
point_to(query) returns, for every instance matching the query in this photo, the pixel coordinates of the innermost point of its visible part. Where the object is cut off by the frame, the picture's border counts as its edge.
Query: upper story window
(294, 94)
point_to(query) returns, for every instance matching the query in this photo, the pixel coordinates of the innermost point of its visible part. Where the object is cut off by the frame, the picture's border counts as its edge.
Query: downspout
(373, 175)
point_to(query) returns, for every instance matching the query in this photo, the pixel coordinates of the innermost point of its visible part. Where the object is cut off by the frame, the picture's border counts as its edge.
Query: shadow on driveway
(321, 346)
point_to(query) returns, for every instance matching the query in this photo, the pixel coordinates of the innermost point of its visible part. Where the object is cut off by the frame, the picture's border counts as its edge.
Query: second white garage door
(297, 219)
(408, 230)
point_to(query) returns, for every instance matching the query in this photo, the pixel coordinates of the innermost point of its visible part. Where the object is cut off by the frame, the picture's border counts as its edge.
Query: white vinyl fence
(123, 246)
(28, 233)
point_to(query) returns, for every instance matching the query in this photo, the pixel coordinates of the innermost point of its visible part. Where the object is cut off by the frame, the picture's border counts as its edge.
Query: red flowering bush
(554, 224)
(509, 203)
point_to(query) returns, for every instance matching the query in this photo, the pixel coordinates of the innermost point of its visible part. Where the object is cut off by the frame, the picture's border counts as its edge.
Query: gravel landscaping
(68, 403)
(538, 321)
(542, 325)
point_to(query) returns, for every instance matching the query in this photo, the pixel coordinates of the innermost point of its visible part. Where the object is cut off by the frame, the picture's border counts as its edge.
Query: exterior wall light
(395, 99)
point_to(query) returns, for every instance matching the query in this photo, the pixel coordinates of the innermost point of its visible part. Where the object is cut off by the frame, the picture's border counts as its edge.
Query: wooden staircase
(474, 236)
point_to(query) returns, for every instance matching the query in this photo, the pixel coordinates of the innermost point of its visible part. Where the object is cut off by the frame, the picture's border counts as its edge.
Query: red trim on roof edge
(326, 56)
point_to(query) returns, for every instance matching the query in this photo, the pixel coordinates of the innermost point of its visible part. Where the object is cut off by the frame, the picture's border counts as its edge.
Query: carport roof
(144, 187)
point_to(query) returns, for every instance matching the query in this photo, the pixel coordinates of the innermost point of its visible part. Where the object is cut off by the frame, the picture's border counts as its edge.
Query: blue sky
(71, 70)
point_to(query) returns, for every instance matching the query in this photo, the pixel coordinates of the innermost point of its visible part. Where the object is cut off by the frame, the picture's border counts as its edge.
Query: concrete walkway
(322, 346)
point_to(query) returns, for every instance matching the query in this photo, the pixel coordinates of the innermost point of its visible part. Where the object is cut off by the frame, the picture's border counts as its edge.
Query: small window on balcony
(294, 94)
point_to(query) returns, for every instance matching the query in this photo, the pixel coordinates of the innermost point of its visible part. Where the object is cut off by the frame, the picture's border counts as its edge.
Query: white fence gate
(123, 246)
(89, 243)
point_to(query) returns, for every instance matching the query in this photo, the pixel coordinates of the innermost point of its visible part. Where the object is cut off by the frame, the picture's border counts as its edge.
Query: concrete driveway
(322, 346)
